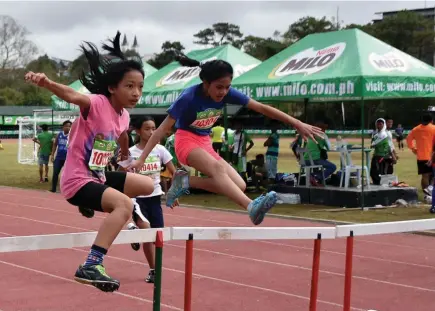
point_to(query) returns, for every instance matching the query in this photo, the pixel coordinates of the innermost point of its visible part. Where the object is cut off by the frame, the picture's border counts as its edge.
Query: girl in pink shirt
(115, 84)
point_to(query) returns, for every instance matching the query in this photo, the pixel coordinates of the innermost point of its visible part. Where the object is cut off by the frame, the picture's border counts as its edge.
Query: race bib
(151, 166)
(102, 152)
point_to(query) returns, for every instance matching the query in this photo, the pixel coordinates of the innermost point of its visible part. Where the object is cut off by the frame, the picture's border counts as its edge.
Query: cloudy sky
(59, 27)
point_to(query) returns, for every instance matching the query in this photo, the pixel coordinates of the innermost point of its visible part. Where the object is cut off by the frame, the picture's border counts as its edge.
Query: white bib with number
(102, 152)
(152, 165)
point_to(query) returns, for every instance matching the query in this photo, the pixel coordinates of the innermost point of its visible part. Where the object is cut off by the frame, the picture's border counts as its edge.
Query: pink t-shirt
(91, 144)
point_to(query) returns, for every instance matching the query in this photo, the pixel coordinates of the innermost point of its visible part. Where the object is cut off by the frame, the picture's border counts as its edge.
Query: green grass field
(26, 176)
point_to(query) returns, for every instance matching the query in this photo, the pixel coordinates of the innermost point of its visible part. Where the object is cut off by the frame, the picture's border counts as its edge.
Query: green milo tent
(163, 87)
(337, 66)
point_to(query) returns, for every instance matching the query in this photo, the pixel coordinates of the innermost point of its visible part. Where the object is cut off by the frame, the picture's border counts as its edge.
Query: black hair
(259, 156)
(44, 127)
(386, 118)
(210, 71)
(139, 121)
(137, 124)
(427, 118)
(66, 122)
(107, 70)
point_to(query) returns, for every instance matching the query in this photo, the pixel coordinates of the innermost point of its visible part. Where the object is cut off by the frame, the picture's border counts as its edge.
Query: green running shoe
(96, 275)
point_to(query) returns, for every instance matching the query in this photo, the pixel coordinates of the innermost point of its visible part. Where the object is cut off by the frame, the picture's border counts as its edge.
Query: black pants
(57, 167)
(378, 167)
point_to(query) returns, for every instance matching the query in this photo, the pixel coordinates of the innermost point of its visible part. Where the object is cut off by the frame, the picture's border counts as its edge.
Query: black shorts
(90, 195)
(423, 168)
(151, 208)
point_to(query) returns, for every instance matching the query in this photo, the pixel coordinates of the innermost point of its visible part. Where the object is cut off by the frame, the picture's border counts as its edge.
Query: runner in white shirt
(147, 209)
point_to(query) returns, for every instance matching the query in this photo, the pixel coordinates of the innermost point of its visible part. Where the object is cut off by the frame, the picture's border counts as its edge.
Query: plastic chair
(347, 168)
(307, 169)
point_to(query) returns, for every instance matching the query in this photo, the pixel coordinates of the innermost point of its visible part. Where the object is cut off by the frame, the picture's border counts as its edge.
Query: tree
(306, 26)
(408, 32)
(79, 65)
(263, 48)
(220, 34)
(10, 97)
(169, 51)
(15, 49)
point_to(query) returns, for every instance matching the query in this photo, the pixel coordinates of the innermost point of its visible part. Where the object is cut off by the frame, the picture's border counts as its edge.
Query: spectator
(391, 160)
(241, 139)
(319, 154)
(295, 145)
(45, 142)
(216, 137)
(399, 136)
(421, 140)
(382, 154)
(272, 144)
(60, 143)
(260, 172)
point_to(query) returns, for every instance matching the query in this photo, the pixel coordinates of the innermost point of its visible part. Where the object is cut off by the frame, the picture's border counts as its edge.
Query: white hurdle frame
(188, 234)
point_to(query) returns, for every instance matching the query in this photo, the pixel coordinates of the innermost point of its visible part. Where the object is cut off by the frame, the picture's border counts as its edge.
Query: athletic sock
(95, 256)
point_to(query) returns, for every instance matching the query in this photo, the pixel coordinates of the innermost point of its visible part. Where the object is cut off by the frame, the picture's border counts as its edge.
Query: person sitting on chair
(259, 172)
(319, 154)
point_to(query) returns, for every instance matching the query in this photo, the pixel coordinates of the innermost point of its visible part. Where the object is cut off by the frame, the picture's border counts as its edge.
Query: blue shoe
(180, 186)
(261, 205)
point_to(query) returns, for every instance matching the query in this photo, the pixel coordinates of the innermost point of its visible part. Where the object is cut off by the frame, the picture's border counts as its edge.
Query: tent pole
(362, 154)
(227, 153)
(305, 109)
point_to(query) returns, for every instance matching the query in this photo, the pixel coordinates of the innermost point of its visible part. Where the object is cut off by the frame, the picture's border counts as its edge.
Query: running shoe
(134, 246)
(180, 186)
(96, 276)
(261, 205)
(151, 276)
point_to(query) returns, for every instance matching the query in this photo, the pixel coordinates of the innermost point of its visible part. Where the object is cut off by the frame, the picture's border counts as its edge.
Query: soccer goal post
(30, 127)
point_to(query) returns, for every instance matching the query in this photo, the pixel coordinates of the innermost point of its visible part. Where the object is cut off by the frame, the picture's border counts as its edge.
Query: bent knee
(122, 204)
(146, 185)
(242, 186)
(139, 185)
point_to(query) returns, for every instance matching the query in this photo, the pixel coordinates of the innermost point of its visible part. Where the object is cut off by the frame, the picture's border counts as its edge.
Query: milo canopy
(340, 65)
(60, 104)
(163, 87)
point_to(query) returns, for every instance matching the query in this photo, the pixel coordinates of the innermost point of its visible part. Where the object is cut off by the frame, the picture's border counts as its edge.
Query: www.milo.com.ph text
(300, 89)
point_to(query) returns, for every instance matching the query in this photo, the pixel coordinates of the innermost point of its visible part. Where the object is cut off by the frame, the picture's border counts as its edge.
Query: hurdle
(86, 239)
(350, 231)
(188, 234)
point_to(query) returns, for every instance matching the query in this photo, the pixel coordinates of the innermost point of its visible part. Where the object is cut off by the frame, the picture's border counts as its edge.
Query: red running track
(391, 272)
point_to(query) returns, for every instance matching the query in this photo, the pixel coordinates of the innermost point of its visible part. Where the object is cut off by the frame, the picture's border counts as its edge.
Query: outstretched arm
(64, 92)
(305, 130)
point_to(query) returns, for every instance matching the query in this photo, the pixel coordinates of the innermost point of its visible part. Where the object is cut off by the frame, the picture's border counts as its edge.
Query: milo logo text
(182, 74)
(309, 61)
(388, 62)
(206, 119)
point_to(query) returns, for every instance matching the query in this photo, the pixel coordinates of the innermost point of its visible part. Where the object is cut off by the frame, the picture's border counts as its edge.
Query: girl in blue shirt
(194, 113)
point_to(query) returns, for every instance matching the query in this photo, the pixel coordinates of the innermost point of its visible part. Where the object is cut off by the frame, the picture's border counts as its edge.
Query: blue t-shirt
(62, 141)
(197, 113)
